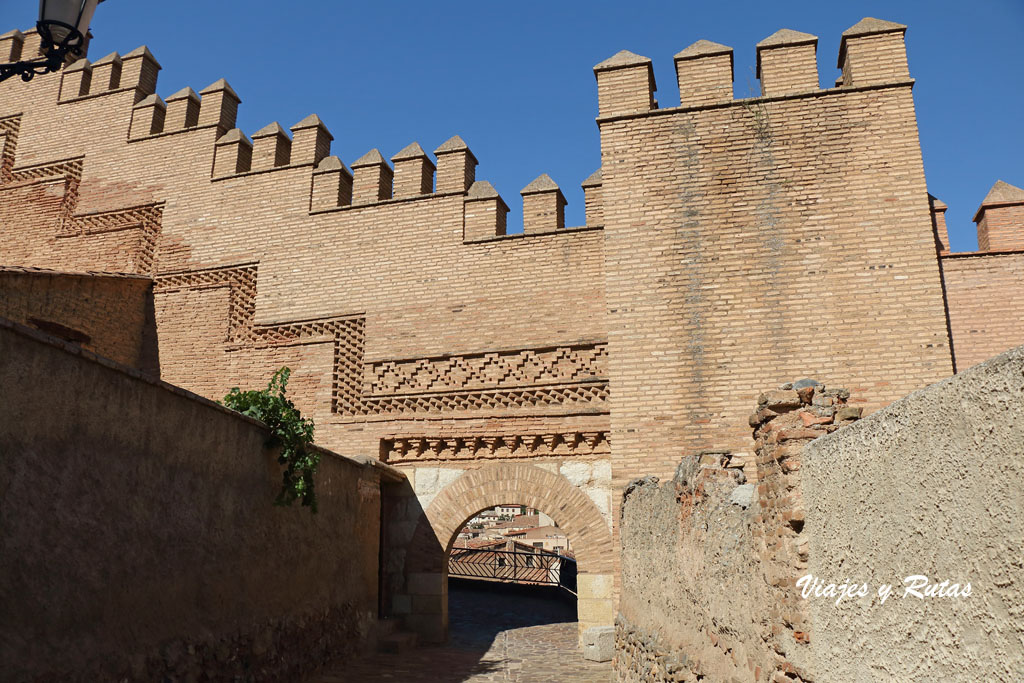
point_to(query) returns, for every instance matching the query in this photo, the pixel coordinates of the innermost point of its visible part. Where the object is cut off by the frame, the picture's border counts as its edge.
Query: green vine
(289, 431)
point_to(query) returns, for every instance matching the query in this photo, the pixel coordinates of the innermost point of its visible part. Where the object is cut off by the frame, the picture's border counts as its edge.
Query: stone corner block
(599, 643)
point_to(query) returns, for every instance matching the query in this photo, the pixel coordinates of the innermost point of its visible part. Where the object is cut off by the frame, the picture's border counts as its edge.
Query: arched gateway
(495, 484)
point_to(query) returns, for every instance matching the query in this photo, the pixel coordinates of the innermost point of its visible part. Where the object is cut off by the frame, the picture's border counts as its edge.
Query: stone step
(396, 643)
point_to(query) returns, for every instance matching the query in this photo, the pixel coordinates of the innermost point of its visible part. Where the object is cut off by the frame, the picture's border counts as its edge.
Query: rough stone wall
(111, 315)
(140, 540)
(928, 486)
(709, 561)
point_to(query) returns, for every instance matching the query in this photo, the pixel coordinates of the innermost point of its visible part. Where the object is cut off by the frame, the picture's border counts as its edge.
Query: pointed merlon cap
(185, 93)
(311, 121)
(109, 59)
(79, 65)
(594, 180)
(703, 48)
(1001, 194)
(455, 144)
(371, 158)
(150, 101)
(482, 189)
(234, 135)
(625, 59)
(332, 163)
(218, 86)
(621, 60)
(868, 26)
(411, 151)
(542, 183)
(270, 130)
(141, 51)
(784, 37)
(937, 204)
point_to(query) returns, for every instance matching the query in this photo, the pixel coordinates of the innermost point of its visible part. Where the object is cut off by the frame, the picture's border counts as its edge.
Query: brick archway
(508, 483)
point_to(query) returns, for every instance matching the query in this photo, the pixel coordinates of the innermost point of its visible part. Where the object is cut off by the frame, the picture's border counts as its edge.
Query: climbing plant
(289, 431)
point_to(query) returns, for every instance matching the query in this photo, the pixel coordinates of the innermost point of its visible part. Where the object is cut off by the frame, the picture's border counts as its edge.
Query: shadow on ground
(495, 633)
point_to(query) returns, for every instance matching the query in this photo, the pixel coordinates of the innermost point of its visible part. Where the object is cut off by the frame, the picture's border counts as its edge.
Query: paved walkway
(492, 637)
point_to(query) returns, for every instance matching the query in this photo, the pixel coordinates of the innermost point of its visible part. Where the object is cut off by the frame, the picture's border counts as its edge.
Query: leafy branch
(289, 431)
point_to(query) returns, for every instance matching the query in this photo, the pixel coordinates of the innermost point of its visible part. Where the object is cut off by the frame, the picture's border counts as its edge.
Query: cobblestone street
(492, 637)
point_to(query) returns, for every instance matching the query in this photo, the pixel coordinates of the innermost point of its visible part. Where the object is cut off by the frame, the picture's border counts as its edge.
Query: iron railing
(514, 566)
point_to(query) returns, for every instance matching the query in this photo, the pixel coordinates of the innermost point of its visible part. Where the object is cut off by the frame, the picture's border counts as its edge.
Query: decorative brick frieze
(503, 369)
(406, 449)
(506, 380)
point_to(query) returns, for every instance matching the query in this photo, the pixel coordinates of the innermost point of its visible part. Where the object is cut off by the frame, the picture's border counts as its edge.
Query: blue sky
(515, 80)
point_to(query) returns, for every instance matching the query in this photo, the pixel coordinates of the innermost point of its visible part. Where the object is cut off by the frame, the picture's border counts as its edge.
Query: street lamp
(62, 27)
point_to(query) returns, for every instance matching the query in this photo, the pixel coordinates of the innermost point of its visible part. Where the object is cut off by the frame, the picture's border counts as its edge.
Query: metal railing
(514, 566)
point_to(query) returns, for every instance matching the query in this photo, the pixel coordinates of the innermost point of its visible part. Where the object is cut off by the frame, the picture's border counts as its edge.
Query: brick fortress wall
(729, 244)
(776, 235)
(416, 328)
(984, 288)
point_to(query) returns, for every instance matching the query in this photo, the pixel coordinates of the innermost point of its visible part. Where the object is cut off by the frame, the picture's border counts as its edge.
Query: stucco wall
(930, 486)
(138, 536)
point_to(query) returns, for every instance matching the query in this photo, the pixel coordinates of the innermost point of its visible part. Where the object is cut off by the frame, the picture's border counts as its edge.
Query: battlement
(871, 54)
(136, 71)
(371, 180)
(1000, 219)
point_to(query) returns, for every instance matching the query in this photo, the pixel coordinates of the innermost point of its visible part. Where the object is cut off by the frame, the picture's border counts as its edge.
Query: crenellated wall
(984, 288)
(781, 234)
(269, 251)
(729, 244)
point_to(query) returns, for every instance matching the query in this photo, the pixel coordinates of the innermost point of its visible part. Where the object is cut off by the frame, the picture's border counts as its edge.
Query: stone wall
(140, 540)
(109, 314)
(709, 560)
(925, 487)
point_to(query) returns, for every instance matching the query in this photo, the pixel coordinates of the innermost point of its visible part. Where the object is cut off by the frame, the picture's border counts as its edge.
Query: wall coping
(32, 270)
(747, 101)
(387, 472)
(975, 254)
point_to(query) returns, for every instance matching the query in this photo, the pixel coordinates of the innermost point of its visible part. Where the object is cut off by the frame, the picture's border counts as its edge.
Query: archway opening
(572, 510)
(511, 579)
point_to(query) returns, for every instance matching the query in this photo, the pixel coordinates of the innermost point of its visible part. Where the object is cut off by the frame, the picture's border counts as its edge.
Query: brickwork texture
(729, 244)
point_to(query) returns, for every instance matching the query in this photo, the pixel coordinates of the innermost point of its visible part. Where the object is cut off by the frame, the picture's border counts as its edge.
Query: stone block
(743, 495)
(426, 583)
(594, 585)
(428, 604)
(401, 604)
(599, 643)
(848, 413)
(578, 473)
